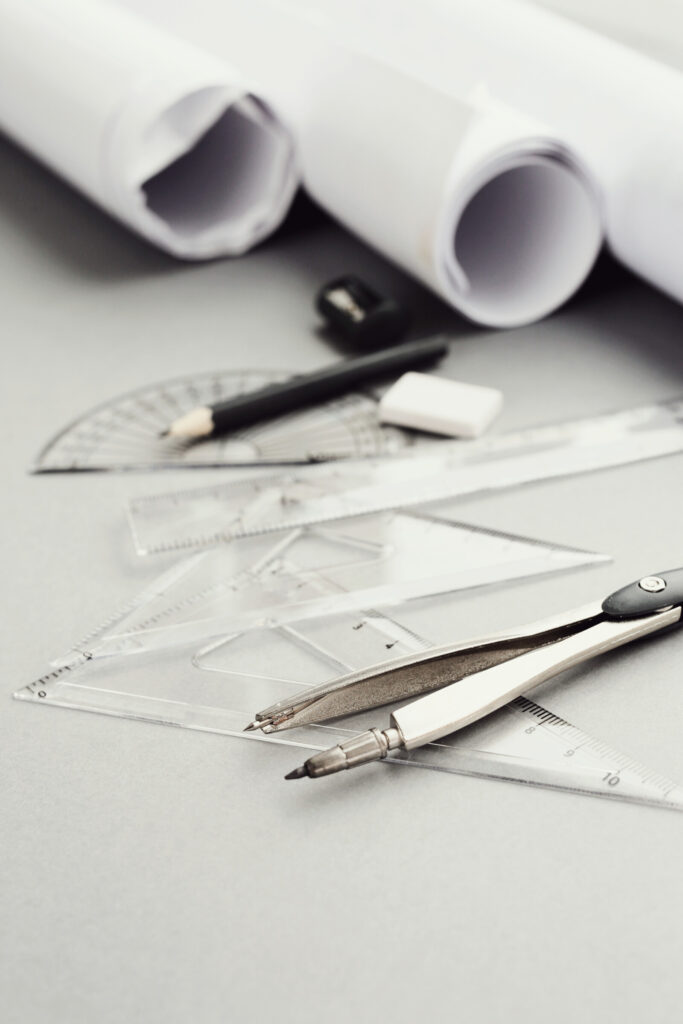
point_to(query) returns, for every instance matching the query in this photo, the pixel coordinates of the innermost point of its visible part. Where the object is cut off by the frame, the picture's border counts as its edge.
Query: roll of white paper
(477, 202)
(481, 203)
(169, 139)
(618, 109)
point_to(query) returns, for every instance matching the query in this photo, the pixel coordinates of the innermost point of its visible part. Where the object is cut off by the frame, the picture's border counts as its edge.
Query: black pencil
(307, 389)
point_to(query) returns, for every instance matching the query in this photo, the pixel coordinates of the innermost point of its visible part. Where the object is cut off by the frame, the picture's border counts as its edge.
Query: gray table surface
(154, 874)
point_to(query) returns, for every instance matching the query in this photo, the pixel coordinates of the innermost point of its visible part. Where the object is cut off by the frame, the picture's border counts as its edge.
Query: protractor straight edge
(124, 433)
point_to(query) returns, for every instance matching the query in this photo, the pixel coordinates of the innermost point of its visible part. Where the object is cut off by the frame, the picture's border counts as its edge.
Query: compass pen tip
(258, 723)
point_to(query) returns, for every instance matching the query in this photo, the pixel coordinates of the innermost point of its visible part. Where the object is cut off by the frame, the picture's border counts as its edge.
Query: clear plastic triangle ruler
(523, 743)
(428, 473)
(124, 433)
(219, 688)
(387, 558)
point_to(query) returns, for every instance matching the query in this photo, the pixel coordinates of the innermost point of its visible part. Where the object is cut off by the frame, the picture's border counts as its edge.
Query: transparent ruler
(428, 473)
(219, 688)
(386, 558)
(125, 433)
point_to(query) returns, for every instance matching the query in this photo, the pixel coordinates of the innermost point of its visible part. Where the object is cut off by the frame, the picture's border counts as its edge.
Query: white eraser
(439, 405)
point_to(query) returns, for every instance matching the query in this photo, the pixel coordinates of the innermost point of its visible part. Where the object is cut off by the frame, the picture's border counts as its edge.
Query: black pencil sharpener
(353, 310)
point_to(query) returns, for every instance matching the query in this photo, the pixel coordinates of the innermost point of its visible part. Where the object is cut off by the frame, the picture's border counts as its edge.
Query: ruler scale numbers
(425, 474)
(523, 742)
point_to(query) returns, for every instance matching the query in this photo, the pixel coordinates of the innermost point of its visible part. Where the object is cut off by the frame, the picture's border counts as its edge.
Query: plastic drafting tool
(125, 432)
(430, 473)
(387, 558)
(218, 689)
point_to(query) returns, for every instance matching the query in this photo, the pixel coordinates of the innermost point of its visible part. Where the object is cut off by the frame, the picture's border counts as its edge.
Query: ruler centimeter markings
(525, 742)
(433, 472)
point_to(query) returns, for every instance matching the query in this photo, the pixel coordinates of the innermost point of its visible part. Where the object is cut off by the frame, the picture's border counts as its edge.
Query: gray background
(154, 874)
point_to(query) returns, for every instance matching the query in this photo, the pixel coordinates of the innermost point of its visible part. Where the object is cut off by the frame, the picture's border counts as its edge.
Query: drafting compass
(465, 683)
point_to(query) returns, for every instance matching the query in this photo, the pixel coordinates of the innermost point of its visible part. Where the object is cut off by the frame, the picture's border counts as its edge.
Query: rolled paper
(166, 137)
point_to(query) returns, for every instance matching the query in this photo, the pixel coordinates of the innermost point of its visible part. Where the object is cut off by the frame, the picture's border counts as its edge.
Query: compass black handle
(649, 595)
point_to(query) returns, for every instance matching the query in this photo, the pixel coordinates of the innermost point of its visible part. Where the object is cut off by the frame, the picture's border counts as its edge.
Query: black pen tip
(298, 773)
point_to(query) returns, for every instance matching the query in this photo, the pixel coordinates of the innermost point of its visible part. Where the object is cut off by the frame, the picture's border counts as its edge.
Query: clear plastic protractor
(125, 433)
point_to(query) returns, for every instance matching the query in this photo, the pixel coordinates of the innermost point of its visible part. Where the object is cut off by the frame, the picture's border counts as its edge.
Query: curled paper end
(523, 241)
(478, 201)
(163, 135)
(215, 189)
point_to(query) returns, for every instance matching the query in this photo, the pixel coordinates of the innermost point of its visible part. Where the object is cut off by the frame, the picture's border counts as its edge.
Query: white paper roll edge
(227, 186)
(617, 108)
(519, 232)
(476, 200)
(165, 137)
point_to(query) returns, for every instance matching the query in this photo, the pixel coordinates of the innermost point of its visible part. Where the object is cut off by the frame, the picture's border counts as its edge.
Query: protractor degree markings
(151, 416)
(103, 443)
(111, 434)
(146, 414)
(303, 421)
(124, 421)
(353, 436)
(125, 433)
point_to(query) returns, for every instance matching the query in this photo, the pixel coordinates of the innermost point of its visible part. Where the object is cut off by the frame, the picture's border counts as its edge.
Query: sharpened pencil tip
(164, 433)
(298, 773)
